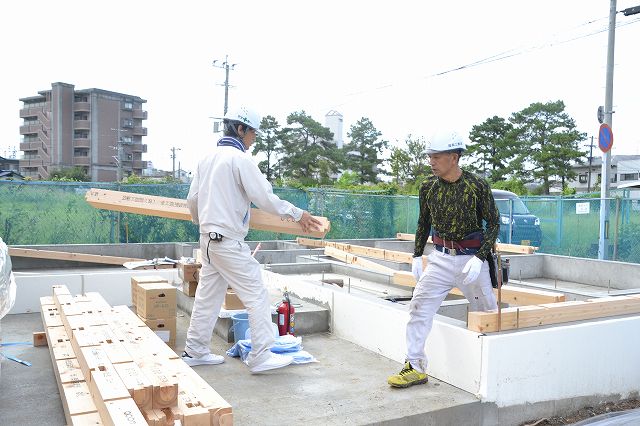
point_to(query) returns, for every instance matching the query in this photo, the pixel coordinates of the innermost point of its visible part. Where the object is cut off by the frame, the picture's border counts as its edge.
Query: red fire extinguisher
(286, 311)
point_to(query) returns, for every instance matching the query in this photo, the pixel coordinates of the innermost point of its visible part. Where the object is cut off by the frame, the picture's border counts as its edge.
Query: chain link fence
(33, 213)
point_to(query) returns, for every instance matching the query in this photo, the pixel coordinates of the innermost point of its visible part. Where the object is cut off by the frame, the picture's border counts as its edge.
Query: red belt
(461, 244)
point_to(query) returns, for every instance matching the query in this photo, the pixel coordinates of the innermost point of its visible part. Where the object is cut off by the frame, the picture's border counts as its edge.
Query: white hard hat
(445, 141)
(245, 116)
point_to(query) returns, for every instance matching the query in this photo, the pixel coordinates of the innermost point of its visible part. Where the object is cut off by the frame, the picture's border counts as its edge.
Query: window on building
(127, 122)
(127, 139)
(614, 178)
(80, 134)
(79, 152)
(127, 105)
(628, 176)
(582, 178)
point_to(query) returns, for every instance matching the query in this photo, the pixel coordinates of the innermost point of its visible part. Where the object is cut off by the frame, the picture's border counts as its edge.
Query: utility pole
(118, 156)
(173, 157)
(226, 67)
(590, 161)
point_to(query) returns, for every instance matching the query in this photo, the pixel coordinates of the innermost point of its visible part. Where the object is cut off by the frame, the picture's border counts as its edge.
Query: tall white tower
(333, 120)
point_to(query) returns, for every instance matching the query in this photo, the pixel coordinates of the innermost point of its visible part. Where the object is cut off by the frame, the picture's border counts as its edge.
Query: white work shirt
(225, 184)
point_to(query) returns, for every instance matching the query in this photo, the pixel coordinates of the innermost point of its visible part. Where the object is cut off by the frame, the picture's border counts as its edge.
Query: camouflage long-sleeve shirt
(457, 209)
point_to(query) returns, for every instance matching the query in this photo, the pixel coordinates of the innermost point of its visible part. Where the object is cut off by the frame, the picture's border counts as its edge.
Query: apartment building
(624, 169)
(97, 130)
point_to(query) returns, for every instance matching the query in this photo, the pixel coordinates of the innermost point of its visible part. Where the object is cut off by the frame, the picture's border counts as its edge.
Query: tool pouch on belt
(492, 259)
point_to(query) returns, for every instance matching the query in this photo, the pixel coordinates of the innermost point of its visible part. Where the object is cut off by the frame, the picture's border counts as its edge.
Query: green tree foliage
(419, 167)
(362, 152)
(513, 185)
(399, 163)
(73, 174)
(547, 141)
(310, 156)
(492, 146)
(270, 144)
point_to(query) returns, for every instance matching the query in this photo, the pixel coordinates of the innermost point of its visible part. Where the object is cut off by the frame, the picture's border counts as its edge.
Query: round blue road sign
(605, 137)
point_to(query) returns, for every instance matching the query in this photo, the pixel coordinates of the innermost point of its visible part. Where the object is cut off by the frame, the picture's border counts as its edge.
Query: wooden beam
(176, 208)
(76, 257)
(512, 295)
(355, 260)
(508, 248)
(554, 313)
(39, 338)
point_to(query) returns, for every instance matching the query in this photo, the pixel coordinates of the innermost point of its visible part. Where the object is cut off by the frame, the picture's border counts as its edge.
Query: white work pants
(443, 272)
(232, 264)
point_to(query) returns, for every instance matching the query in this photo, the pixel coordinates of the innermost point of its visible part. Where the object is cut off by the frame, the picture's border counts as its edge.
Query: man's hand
(309, 223)
(416, 267)
(472, 269)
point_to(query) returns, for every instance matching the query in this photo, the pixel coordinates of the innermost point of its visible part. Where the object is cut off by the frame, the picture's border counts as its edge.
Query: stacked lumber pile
(111, 369)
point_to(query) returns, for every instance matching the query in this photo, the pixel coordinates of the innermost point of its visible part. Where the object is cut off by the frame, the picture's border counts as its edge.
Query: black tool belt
(455, 251)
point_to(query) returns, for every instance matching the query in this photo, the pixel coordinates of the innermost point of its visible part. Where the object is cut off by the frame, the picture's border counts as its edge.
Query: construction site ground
(346, 386)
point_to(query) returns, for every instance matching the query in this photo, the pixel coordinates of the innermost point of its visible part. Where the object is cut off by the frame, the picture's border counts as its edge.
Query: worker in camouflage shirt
(454, 204)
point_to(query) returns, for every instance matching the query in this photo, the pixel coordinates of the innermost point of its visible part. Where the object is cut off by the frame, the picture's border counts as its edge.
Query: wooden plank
(310, 242)
(76, 257)
(523, 296)
(553, 313)
(163, 380)
(355, 260)
(69, 371)
(405, 237)
(39, 338)
(220, 410)
(122, 412)
(78, 398)
(175, 208)
(91, 419)
(139, 386)
(512, 295)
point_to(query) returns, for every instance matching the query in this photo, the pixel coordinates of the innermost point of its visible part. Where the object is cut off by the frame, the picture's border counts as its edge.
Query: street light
(603, 243)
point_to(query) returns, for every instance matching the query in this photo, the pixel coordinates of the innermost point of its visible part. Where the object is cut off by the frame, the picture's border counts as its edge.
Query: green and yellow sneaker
(408, 376)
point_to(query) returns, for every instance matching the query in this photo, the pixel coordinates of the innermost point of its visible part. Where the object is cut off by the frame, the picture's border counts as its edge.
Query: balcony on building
(139, 114)
(30, 128)
(139, 147)
(81, 124)
(139, 164)
(81, 106)
(81, 160)
(140, 131)
(82, 143)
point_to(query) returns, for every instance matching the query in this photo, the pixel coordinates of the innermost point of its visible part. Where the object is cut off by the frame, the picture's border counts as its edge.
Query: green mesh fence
(56, 213)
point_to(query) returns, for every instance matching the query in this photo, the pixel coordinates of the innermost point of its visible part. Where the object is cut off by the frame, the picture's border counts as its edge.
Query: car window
(518, 206)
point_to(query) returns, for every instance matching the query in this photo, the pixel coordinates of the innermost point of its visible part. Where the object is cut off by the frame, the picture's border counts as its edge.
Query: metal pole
(226, 84)
(603, 243)
(590, 161)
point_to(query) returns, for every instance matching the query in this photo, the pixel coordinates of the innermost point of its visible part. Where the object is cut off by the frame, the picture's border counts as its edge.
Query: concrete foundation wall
(563, 362)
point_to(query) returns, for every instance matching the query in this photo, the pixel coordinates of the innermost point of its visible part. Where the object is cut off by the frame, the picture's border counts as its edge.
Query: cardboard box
(231, 301)
(189, 272)
(197, 255)
(143, 279)
(156, 300)
(165, 328)
(189, 288)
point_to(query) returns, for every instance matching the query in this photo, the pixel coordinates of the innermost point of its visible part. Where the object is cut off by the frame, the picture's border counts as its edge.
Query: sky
(410, 67)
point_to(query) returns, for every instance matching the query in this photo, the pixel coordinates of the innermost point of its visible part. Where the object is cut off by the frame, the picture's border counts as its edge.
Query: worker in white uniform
(225, 184)
(454, 205)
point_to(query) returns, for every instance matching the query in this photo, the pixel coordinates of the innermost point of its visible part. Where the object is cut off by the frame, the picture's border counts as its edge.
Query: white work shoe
(274, 361)
(208, 359)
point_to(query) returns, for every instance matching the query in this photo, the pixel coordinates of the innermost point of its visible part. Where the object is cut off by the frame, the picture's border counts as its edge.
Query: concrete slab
(346, 386)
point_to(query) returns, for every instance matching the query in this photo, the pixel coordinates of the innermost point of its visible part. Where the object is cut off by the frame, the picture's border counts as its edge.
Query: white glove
(416, 267)
(472, 269)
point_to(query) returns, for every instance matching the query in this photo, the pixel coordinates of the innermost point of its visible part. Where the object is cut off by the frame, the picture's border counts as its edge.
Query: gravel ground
(585, 413)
